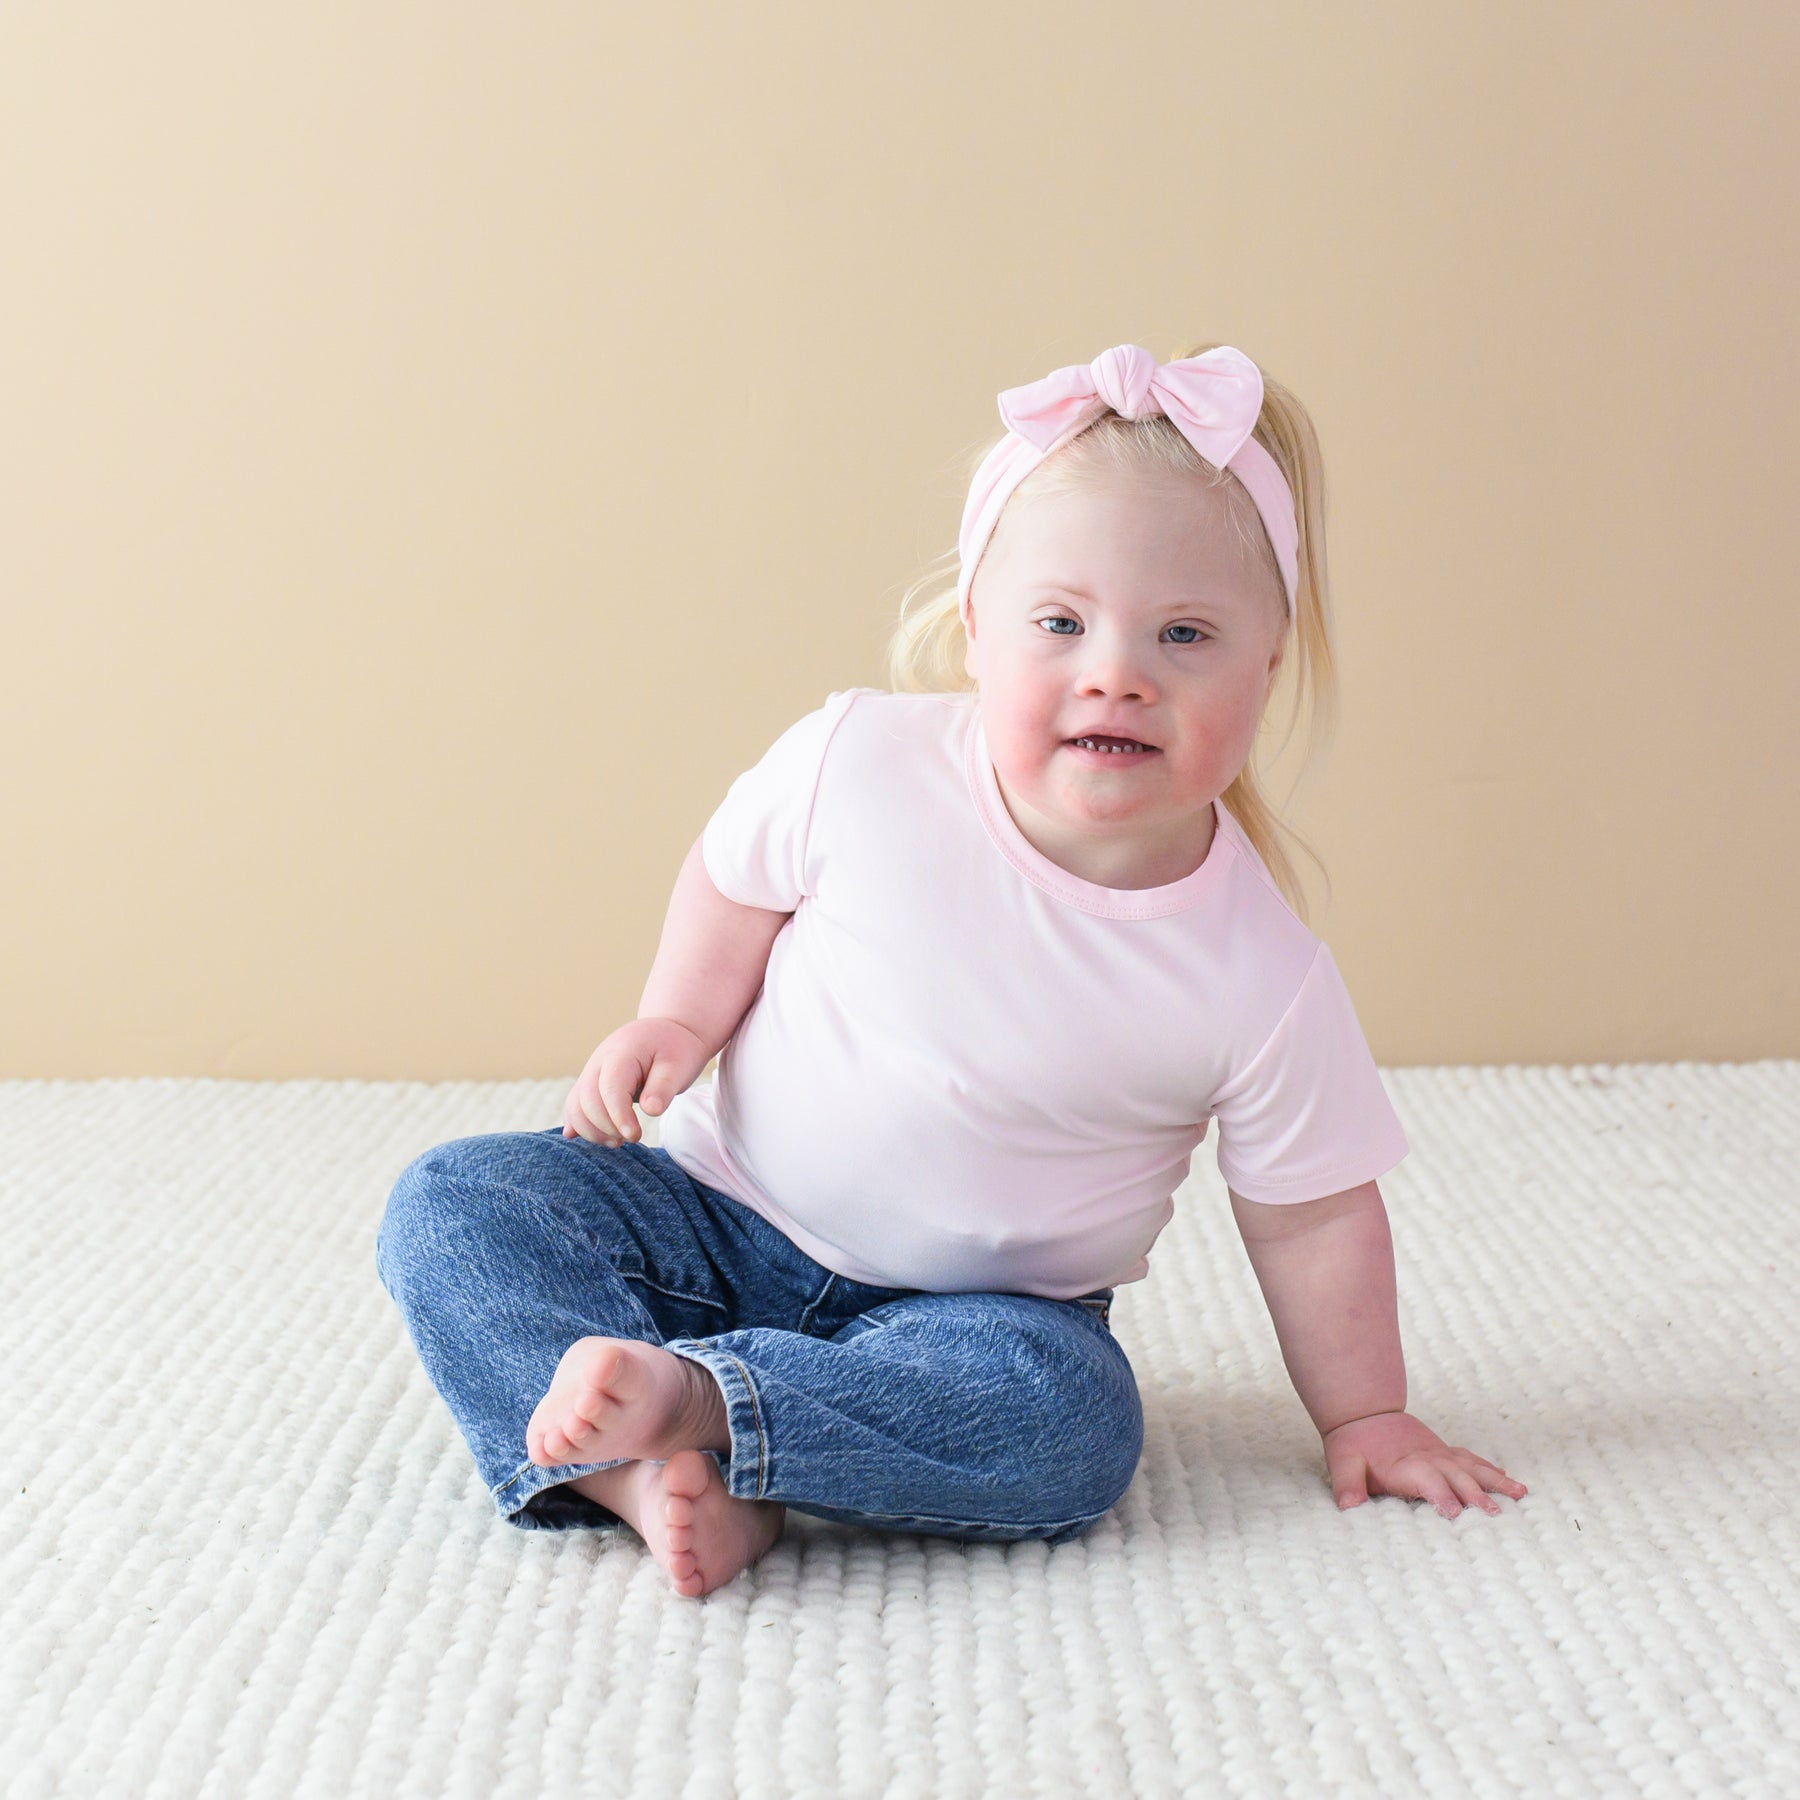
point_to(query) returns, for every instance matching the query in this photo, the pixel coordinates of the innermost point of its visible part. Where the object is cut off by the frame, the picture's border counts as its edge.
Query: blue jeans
(971, 1415)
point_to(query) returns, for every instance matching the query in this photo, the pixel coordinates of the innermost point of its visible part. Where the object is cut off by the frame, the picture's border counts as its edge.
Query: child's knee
(435, 1199)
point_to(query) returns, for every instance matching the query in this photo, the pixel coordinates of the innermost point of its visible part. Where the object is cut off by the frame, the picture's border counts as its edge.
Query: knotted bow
(1213, 400)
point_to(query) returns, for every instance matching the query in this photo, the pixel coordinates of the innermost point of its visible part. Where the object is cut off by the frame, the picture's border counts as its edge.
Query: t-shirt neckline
(1054, 879)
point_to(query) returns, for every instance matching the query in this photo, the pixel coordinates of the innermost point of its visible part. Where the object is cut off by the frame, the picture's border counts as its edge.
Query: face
(1132, 607)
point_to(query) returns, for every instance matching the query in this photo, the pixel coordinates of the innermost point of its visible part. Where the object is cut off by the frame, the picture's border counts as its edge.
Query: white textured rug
(243, 1551)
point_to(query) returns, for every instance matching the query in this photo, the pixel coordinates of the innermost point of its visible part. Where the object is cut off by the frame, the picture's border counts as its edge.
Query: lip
(1112, 758)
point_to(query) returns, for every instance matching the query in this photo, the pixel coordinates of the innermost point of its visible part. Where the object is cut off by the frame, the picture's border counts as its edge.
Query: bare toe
(702, 1534)
(610, 1398)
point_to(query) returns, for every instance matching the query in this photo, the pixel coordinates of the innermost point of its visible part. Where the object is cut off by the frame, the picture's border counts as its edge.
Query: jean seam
(574, 1470)
(811, 1310)
(762, 1442)
(902, 1519)
(743, 1374)
(717, 1306)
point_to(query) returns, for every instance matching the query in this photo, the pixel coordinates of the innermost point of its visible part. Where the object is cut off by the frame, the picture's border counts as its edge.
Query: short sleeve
(1308, 1116)
(754, 845)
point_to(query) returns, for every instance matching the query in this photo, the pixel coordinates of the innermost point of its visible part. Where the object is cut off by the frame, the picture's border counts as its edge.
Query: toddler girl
(980, 958)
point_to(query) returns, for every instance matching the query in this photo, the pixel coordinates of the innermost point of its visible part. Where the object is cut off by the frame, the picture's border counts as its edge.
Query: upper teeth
(1090, 744)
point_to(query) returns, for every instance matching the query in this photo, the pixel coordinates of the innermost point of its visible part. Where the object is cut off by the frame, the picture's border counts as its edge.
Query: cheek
(1021, 710)
(1238, 720)
(1224, 730)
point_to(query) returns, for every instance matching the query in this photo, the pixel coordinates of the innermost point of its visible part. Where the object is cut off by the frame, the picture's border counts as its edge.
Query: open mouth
(1112, 749)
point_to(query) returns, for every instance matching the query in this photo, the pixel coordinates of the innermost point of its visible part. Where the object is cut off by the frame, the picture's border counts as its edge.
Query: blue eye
(1199, 636)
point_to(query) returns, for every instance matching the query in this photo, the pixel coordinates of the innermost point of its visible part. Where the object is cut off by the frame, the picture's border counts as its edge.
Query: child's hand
(653, 1057)
(1394, 1453)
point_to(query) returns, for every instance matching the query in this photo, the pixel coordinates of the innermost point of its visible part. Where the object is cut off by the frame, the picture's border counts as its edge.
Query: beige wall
(441, 445)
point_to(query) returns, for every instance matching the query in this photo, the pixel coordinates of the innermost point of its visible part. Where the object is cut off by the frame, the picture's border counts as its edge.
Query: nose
(1113, 668)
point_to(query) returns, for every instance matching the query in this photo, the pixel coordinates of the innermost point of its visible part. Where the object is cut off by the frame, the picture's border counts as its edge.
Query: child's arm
(711, 958)
(1326, 1269)
(709, 964)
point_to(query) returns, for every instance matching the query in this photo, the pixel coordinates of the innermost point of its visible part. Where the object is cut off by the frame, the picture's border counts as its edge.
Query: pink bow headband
(1213, 400)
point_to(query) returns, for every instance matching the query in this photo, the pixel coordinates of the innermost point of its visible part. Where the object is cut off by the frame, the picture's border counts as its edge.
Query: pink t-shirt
(969, 1069)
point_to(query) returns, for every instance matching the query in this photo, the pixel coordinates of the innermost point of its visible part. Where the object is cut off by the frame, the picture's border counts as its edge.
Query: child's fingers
(589, 1119)
(1349, 1475)
(1469, 1490)
(1423, 1480)
(659, 1086)
(619, 1080)
(1489, 1474)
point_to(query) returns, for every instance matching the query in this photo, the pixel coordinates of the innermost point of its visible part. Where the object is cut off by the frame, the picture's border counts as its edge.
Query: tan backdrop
(441, 446)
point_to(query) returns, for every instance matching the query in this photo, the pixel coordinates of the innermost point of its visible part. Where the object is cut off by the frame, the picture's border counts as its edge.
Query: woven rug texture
(243, 1551)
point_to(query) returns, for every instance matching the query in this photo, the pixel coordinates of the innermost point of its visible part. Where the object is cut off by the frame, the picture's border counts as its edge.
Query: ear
(1278, 654)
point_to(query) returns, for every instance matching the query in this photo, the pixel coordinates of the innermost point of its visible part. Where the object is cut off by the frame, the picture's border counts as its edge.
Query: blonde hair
(926, 648)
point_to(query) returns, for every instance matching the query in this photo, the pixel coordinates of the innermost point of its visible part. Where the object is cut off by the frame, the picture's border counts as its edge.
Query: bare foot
(702, 1535)
(620, 1397)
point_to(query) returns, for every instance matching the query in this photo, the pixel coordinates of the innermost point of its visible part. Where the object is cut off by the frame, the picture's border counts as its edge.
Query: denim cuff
(746, 1474)
(516, 1499)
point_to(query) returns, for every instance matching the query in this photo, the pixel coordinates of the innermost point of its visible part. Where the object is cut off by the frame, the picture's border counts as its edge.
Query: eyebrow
(1064, 587)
